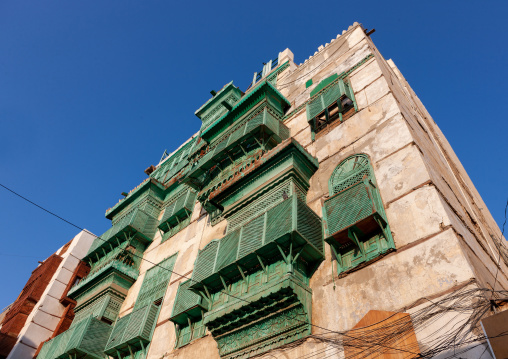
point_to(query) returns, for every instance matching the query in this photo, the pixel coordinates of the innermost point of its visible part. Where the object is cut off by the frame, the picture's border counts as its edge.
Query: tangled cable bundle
(445, 328)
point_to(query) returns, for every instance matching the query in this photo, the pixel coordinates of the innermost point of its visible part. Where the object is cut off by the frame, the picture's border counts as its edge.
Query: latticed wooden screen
(105, 306)
(289, 221)
(137, 222)
(330, 95)
(178, 209)
(264, 202)
(87, 339)
(354, 219)
(155, 283)
(187, 303)
(133, 331)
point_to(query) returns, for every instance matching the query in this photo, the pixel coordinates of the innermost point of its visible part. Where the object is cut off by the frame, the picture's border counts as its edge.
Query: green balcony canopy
(242, 137)
(177, 210)
(135, 224)
(86, 340)
(187, 304)
(290, 224)
(133, 331)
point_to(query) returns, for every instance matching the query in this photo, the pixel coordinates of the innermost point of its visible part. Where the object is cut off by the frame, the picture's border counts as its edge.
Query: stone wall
(441, 227)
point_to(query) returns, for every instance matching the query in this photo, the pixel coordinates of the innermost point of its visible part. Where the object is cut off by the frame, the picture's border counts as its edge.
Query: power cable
(155, 264)
(499, 250)
(373, 338)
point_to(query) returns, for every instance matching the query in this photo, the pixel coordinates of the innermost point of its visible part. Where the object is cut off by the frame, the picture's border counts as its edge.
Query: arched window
(354, 218)
(349, 172)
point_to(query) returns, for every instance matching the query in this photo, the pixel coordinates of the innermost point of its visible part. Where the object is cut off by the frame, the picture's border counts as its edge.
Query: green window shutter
(205, 262)
(132, 332)
(155, 283)
(355, 223)
(332, 94)
(315, 107)
(179, 208)
(323, 84)
(187, 304)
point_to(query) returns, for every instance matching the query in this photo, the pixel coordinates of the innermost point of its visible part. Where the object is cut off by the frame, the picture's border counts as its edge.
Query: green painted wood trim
(148, 187)
(219, 96)
(342, 75)
(324, 83)
(289, 223)
(256, 171)
(354, 219)
(262, 91)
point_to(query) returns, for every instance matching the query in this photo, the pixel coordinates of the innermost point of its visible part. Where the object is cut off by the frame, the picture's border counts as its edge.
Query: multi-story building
(311, 213)
(42, 309)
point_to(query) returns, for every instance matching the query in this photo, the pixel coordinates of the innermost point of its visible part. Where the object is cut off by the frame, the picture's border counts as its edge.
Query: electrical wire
(140, 257)
(464, 308)
(499, 250)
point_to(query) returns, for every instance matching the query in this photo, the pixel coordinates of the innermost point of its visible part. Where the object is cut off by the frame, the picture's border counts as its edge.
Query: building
(42, 309)
(318, 213)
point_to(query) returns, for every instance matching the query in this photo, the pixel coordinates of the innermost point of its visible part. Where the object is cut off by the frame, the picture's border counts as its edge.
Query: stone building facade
(42, 309)
(321, 199)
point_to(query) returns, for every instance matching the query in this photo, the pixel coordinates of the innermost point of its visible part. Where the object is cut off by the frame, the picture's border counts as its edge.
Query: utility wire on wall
(464, 308)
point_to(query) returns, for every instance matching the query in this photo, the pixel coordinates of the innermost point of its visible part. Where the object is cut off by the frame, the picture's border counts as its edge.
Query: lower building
(320, 213)
(42, 309)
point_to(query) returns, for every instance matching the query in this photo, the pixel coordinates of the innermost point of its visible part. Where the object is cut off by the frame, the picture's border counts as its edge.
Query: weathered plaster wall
(474, 221)
(441, 235)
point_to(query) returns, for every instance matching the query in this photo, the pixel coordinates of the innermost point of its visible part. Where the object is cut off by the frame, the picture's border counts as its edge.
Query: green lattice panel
(251, 239)
(329, 96)
(87, 339)
(94, 339)
(309, 226)
(116, 336)
(289, 222)
(178, 210)
(133, 330)
(49, 349)
(114, 265)
(260, 205)
(347, 208)
(155, 283)
(263, 121)
(187, 304)
(227, 252)
(280, 221)
(205, 262)
(135, 223)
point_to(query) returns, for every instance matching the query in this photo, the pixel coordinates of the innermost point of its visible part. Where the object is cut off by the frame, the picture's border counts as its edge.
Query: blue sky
(93, 92)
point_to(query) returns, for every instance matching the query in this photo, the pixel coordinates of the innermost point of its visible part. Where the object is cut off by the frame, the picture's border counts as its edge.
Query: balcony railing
(136, 223)
(86, 339)
(360, 206)
(178, 210)
(264, 121)
(290, 225)
(133, 331)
